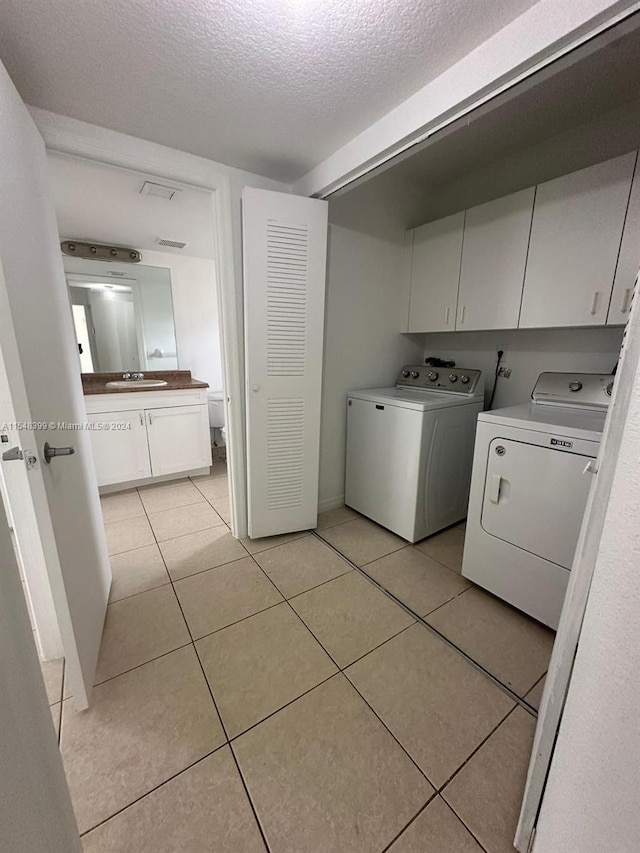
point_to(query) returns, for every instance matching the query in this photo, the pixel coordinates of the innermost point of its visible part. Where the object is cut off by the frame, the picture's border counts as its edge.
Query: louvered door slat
(284, 275)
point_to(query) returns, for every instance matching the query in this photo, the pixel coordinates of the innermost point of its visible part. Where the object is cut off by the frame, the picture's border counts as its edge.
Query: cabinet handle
(626, 300)
(446, 317)
(149, 416)
(141, 419)
(462, 313)
(594, 304)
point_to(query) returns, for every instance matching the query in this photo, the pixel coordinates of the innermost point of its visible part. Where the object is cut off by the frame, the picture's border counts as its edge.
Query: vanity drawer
(130, 401)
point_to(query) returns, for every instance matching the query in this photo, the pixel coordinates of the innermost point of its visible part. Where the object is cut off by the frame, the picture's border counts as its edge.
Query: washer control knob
(433, 376)
(575, 385)
(405, 373)
(464, 379)
(414, 374)
(453, 377)
(610, 388)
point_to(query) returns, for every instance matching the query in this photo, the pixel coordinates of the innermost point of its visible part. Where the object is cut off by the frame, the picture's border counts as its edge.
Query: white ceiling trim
(543, 34)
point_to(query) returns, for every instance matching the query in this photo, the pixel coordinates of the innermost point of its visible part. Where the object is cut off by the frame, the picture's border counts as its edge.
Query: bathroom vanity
(141, 433)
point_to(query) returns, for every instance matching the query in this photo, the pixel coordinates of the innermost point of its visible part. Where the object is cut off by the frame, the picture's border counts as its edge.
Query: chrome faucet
(137, 376)
(126, 376)
(132, 377)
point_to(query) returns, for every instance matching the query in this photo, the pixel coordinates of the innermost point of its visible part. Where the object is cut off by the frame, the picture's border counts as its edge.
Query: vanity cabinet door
(120, 448)
(179, 439)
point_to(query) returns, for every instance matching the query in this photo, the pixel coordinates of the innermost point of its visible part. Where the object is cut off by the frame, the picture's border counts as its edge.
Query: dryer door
(535, 498)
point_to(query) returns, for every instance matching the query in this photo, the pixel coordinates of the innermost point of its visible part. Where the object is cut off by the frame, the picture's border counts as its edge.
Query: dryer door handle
(494, 488)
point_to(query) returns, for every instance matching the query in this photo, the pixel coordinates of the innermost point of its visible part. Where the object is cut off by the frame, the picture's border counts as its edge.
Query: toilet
(215, 400)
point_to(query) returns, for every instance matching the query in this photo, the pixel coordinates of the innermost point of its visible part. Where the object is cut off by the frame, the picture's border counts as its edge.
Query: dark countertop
(177, 380)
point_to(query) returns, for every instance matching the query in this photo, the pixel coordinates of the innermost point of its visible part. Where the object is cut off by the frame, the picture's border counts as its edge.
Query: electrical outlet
(504, 372)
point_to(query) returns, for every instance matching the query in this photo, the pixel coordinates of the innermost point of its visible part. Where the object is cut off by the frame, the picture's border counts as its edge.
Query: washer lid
(575, 422)
(419, 400)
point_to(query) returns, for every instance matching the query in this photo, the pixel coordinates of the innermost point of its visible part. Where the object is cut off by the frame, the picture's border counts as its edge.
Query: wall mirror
(123, 316)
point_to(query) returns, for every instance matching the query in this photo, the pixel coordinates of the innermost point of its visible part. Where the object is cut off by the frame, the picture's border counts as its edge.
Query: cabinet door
(435, 273)
(575, 239)
(628, 260)
(179, 439)
(494, 256)
(120, 449)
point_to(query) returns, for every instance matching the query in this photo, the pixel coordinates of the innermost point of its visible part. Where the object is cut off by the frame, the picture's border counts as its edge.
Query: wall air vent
(100, 252)
(158, 190)
(172, 244)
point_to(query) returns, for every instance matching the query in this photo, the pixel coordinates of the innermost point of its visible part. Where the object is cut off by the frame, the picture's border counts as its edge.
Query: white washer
(532, 471)
(410, 449)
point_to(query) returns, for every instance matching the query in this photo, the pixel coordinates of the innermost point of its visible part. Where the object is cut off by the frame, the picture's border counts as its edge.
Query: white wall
(195, 310)
(528, 352)
(591, 801)
(366, 305)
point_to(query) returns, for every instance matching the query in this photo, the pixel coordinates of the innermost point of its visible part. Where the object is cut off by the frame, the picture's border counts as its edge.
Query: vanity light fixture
(100, 252)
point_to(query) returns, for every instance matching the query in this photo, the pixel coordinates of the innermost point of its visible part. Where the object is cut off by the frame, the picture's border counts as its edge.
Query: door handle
(494, 488)
(594, 304)
(446, 317)
(462, 313)
(51, 452)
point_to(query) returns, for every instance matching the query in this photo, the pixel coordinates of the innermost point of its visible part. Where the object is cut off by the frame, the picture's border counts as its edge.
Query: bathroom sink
(137, 383)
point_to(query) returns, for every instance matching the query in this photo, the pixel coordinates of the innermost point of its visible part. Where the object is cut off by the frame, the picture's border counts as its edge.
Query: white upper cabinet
(575, 240)
(494, 256)
(628, 260)
(435, 273)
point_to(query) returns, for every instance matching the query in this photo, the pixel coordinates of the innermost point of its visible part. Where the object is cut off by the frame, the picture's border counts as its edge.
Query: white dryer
(410, 449)
(532, 471)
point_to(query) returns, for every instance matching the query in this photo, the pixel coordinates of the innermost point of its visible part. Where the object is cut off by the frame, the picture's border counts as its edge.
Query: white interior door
(284, 250)
(41, 361)
(36, 814)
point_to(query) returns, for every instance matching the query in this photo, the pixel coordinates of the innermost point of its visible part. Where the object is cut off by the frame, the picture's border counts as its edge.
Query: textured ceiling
(573, 115)
(271, 86)
(102, 203)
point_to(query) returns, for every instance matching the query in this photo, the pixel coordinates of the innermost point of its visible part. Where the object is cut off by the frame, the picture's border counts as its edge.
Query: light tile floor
(268, 696)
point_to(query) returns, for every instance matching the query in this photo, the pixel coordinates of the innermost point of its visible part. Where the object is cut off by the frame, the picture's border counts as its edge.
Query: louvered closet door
(284, 247)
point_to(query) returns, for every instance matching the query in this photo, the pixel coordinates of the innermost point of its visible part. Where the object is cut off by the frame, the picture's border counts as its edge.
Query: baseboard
(152, 481)
(330, 503)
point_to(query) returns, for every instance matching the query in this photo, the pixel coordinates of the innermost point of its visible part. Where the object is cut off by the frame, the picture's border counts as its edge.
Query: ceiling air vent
(158, 190)
(172, 244)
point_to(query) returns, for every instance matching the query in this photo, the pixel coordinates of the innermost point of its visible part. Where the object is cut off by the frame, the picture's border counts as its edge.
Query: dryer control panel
(581, 390)
(457, 380)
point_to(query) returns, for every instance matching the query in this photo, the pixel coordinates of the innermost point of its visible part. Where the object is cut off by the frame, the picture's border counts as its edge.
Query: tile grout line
(215, 705)
(477, 749)
(153, 790)
(514, 696)
(469, 830)
(341, 671)
(436, 796)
